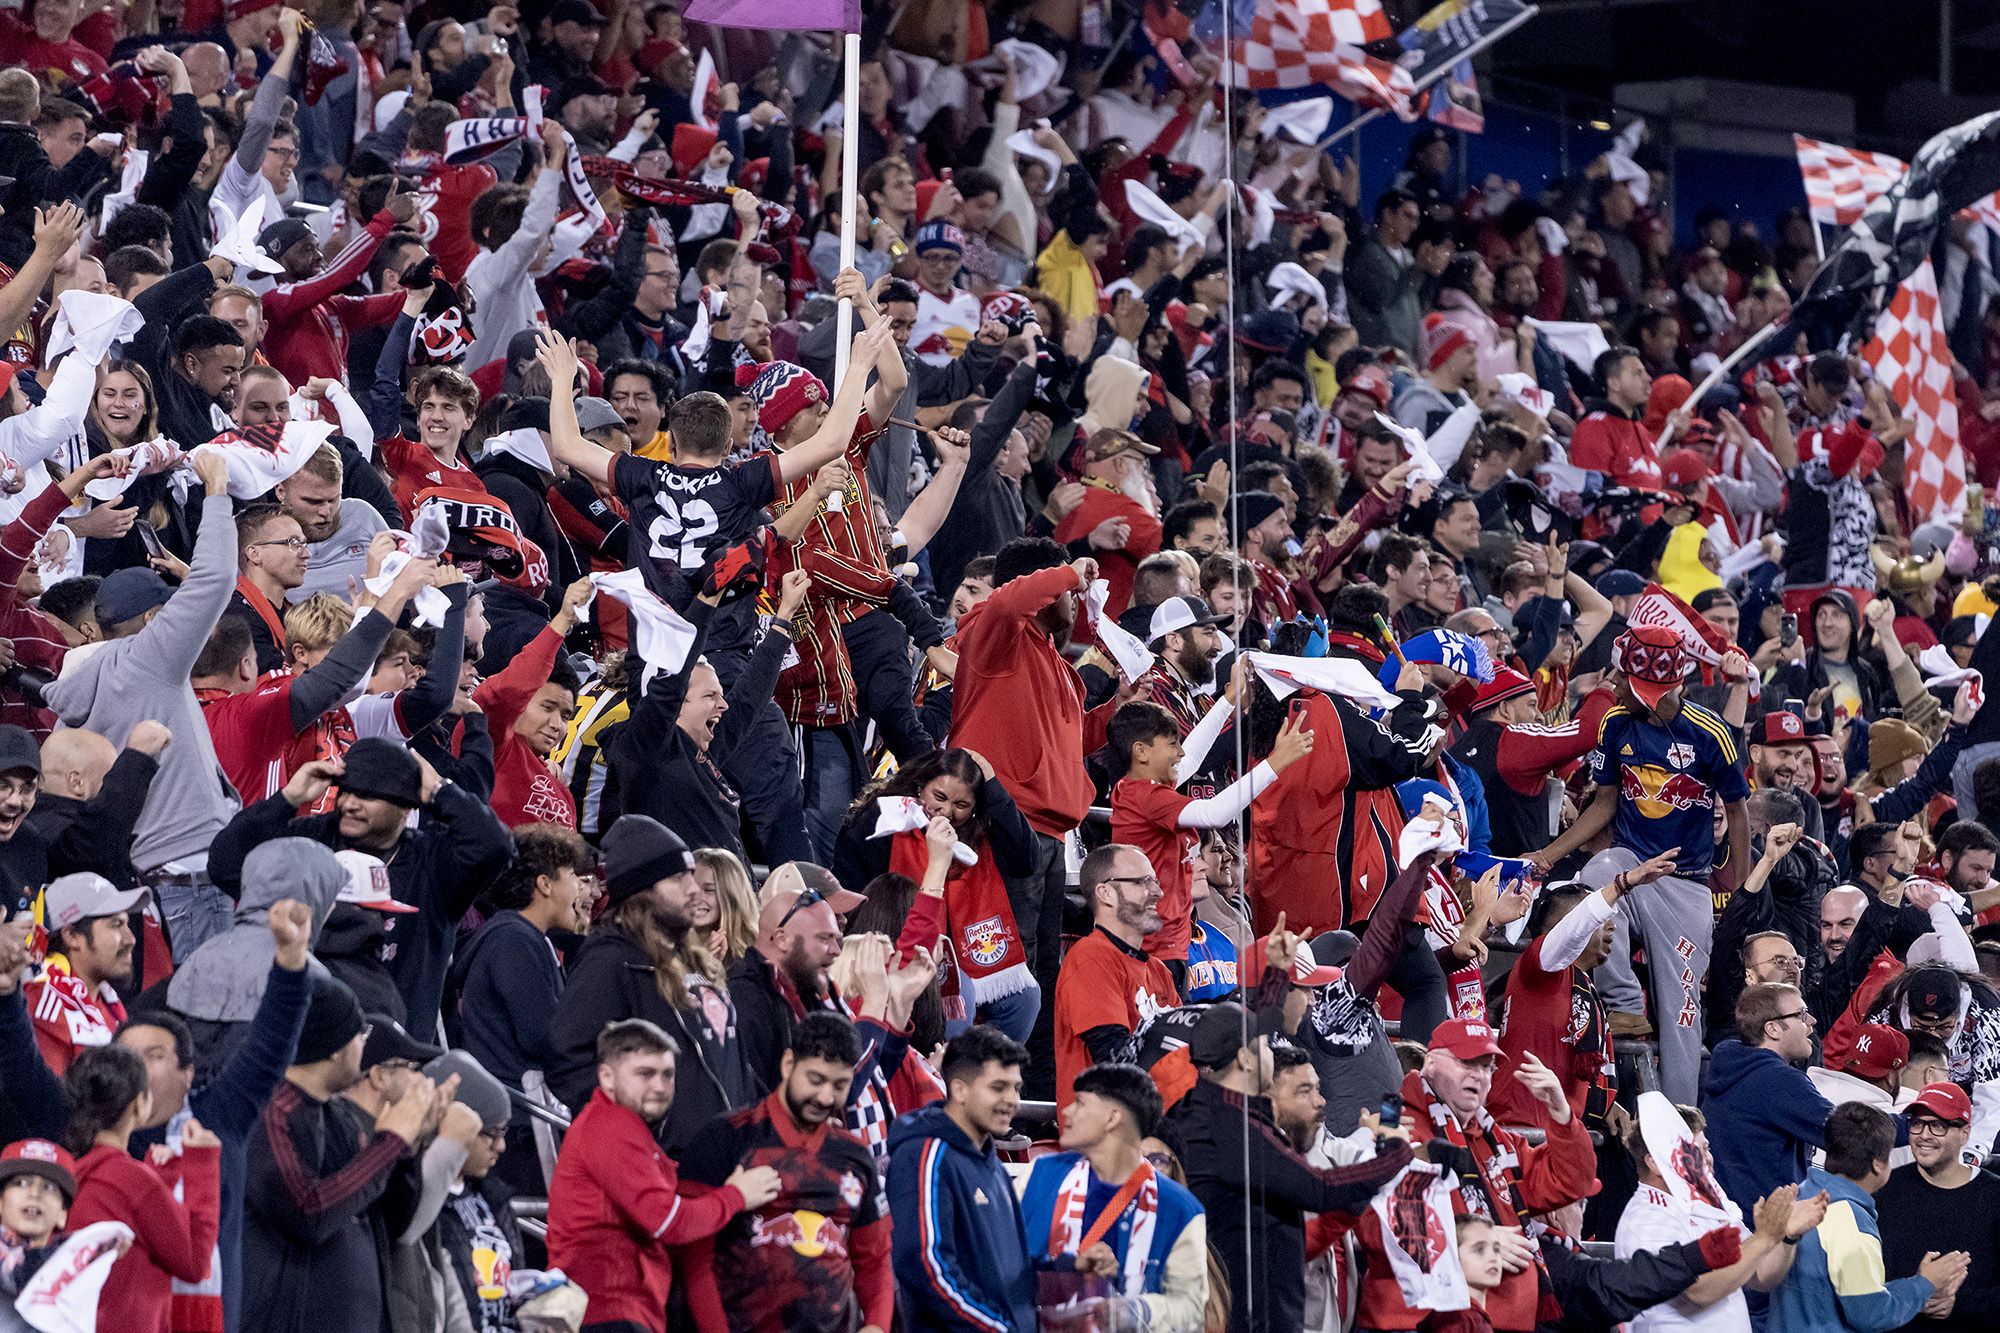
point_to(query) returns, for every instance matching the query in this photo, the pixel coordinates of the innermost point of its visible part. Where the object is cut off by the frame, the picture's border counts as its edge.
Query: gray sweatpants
(1674, 919)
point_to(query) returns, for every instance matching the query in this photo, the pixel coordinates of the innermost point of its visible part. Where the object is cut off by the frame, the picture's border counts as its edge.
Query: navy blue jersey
(683, 517)
(1667, 778)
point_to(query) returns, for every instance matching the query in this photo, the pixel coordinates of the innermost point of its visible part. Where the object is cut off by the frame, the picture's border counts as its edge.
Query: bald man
(1855, 926)
(208, 72)
(1839, 913)
(785, 977)
(90, 798)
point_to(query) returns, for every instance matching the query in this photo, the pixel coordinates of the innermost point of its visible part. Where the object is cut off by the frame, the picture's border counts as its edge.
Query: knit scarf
(979, 921)
(475, 137)
(1445, 924)
(1140, 1193)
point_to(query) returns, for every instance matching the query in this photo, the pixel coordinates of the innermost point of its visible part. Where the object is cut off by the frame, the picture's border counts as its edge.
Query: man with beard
(337, 530)
(784, 977)
(614, 1202)
(1781, 891)
(805, 1259)
(74, 1002)
(1187, 637)
(1784, 762)
(1109, 986)
(1117, 486)
(1960, 1010)
(198, 388)
(439, 864)
(1659, 765)
(1942, 1202)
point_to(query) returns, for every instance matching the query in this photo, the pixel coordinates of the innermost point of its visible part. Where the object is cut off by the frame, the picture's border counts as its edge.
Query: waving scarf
(979, 921)
(1140, 1193)
(778, 223)
(476, 137)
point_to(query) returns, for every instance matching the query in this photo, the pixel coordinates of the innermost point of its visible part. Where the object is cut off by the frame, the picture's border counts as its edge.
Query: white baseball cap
(367, 883)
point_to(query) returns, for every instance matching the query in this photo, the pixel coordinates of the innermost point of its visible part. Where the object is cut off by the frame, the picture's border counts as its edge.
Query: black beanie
(639, 852)
(1249, 509)
(333, 1018)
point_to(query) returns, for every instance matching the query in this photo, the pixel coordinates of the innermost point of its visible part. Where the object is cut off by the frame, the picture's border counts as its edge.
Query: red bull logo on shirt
(809, 1234)
(1657, 793)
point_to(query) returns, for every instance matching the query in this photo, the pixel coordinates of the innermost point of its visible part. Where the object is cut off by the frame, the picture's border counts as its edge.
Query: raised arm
(566, 443)
(830, 441)
(181, 629)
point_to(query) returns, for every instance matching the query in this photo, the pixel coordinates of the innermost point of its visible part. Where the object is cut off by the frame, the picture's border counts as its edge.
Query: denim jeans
(192, 914)
(832, 775)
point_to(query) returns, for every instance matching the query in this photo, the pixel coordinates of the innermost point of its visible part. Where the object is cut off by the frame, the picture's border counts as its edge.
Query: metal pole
(850, 176)
(1945, 38)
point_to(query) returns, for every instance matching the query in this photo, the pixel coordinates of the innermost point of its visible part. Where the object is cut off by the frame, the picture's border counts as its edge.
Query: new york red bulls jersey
(1668, 778)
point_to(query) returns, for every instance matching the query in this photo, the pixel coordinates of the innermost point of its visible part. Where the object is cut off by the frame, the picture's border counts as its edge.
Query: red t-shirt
(250, 733)
(526, 790)
(1618, 447)
(413, 468)
(1146, 815)
(1103, 982)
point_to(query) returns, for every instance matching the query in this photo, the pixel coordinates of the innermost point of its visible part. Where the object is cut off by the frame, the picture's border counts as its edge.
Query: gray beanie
(476, 1088)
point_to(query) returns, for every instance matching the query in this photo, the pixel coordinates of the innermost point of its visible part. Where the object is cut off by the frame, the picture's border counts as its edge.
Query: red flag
(1303, 43)
(1840, 182)
(1911, 357)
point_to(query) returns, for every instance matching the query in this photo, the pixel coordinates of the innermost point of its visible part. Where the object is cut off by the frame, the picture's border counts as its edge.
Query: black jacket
(1598, 1293)
(513, 619)
(613, 979)
(440, 866)
(325, 1194)
(1214, 1133)
(1788, 902)
(526, 492)
(353, 944)
(504, 989)
(95, 834)
(1880, 927)
(36, 184)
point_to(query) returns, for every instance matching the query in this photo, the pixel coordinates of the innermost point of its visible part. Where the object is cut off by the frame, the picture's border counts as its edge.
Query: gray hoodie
(223, 980)
(127, 681)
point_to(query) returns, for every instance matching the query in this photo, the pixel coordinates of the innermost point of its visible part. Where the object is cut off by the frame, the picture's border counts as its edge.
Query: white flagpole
(1714, 378)
(850, 159)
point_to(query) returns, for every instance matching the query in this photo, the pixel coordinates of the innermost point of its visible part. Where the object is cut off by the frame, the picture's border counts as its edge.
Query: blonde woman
(723, 907)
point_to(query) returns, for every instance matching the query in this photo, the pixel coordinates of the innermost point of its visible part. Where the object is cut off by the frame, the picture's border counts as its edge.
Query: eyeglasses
(287, 154)
(1933, 1129)
(294, 543)
(1162, 1160)
(1149, 881)
(1786, 1018)
(806, 899)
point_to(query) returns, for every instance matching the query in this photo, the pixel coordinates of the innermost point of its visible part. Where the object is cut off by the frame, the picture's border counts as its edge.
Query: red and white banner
(1703, 641)
(1307, 43)
(1912, 359)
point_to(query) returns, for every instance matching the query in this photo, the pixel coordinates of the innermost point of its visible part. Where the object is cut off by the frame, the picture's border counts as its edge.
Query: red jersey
(1619, 447)
(444, 211)
(1146, 815)
(1099, 504)
(843, 553)
(308, 321)
(69, 1016)
(1103, 982)
(527, 789)
(1555, 1013)
(413, 468)
(56, 65)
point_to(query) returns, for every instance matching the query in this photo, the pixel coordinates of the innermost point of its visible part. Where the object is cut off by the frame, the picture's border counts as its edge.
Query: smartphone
(149, 537)
(1391, 1113)
(1788, 630)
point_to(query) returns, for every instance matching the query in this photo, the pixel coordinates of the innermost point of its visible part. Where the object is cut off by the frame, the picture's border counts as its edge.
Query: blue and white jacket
(1175, 1266)
(961, 1256)
(1837, 1280)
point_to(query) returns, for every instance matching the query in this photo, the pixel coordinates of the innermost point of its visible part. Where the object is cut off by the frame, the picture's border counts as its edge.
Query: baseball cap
(1179, 613)
(83, 896)
(803, 877)
(576, 11)
(1878, 1051)
(1619, 583)
(1110, 443)
(1782, 727)
(282, 235)
(1946, 1101)
(1933, 993)
(367, 883)
(1464, 1039)
(388, 1040)
(595, 414)
(1219, 1034)
(18, 751)
(1653, 660)
(1371, 380)
(39, 1157)
(126, 593)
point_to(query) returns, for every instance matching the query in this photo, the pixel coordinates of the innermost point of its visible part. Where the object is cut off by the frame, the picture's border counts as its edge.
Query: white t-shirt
(944, 325)
(1656, 1219)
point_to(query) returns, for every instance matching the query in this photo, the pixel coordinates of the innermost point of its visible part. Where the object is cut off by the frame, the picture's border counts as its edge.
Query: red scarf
(261, 604)
(979, 921)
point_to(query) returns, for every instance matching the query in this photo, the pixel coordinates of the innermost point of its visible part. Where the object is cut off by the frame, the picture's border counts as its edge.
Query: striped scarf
(1066, 1226)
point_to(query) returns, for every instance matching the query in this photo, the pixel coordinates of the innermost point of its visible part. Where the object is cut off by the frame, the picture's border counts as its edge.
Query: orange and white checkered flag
(1912, 359)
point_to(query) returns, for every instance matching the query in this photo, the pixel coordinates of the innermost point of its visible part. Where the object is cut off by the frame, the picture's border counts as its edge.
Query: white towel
(658, 632)
(90, 322)
(905, 814)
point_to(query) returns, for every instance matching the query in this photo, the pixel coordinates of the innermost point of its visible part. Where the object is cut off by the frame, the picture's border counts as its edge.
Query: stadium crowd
(1256, 760)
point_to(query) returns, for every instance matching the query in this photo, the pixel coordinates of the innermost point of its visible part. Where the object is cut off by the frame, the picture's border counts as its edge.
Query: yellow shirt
(659, 449)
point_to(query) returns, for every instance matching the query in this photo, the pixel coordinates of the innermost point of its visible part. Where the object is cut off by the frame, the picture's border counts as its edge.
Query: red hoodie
(309, 320)
(525, 789)
(172, 1238)
(1019, 703)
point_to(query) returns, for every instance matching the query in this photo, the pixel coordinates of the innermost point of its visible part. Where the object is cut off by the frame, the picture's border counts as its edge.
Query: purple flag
(788, 15)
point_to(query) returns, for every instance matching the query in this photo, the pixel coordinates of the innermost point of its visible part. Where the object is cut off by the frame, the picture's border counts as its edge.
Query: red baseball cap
(1878, 1051)
(1464, 1039)
(1372, 380)
(1784, 728)
(1684, 469)
(1653, 659)
(1946, 1101)
(39, 1157)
